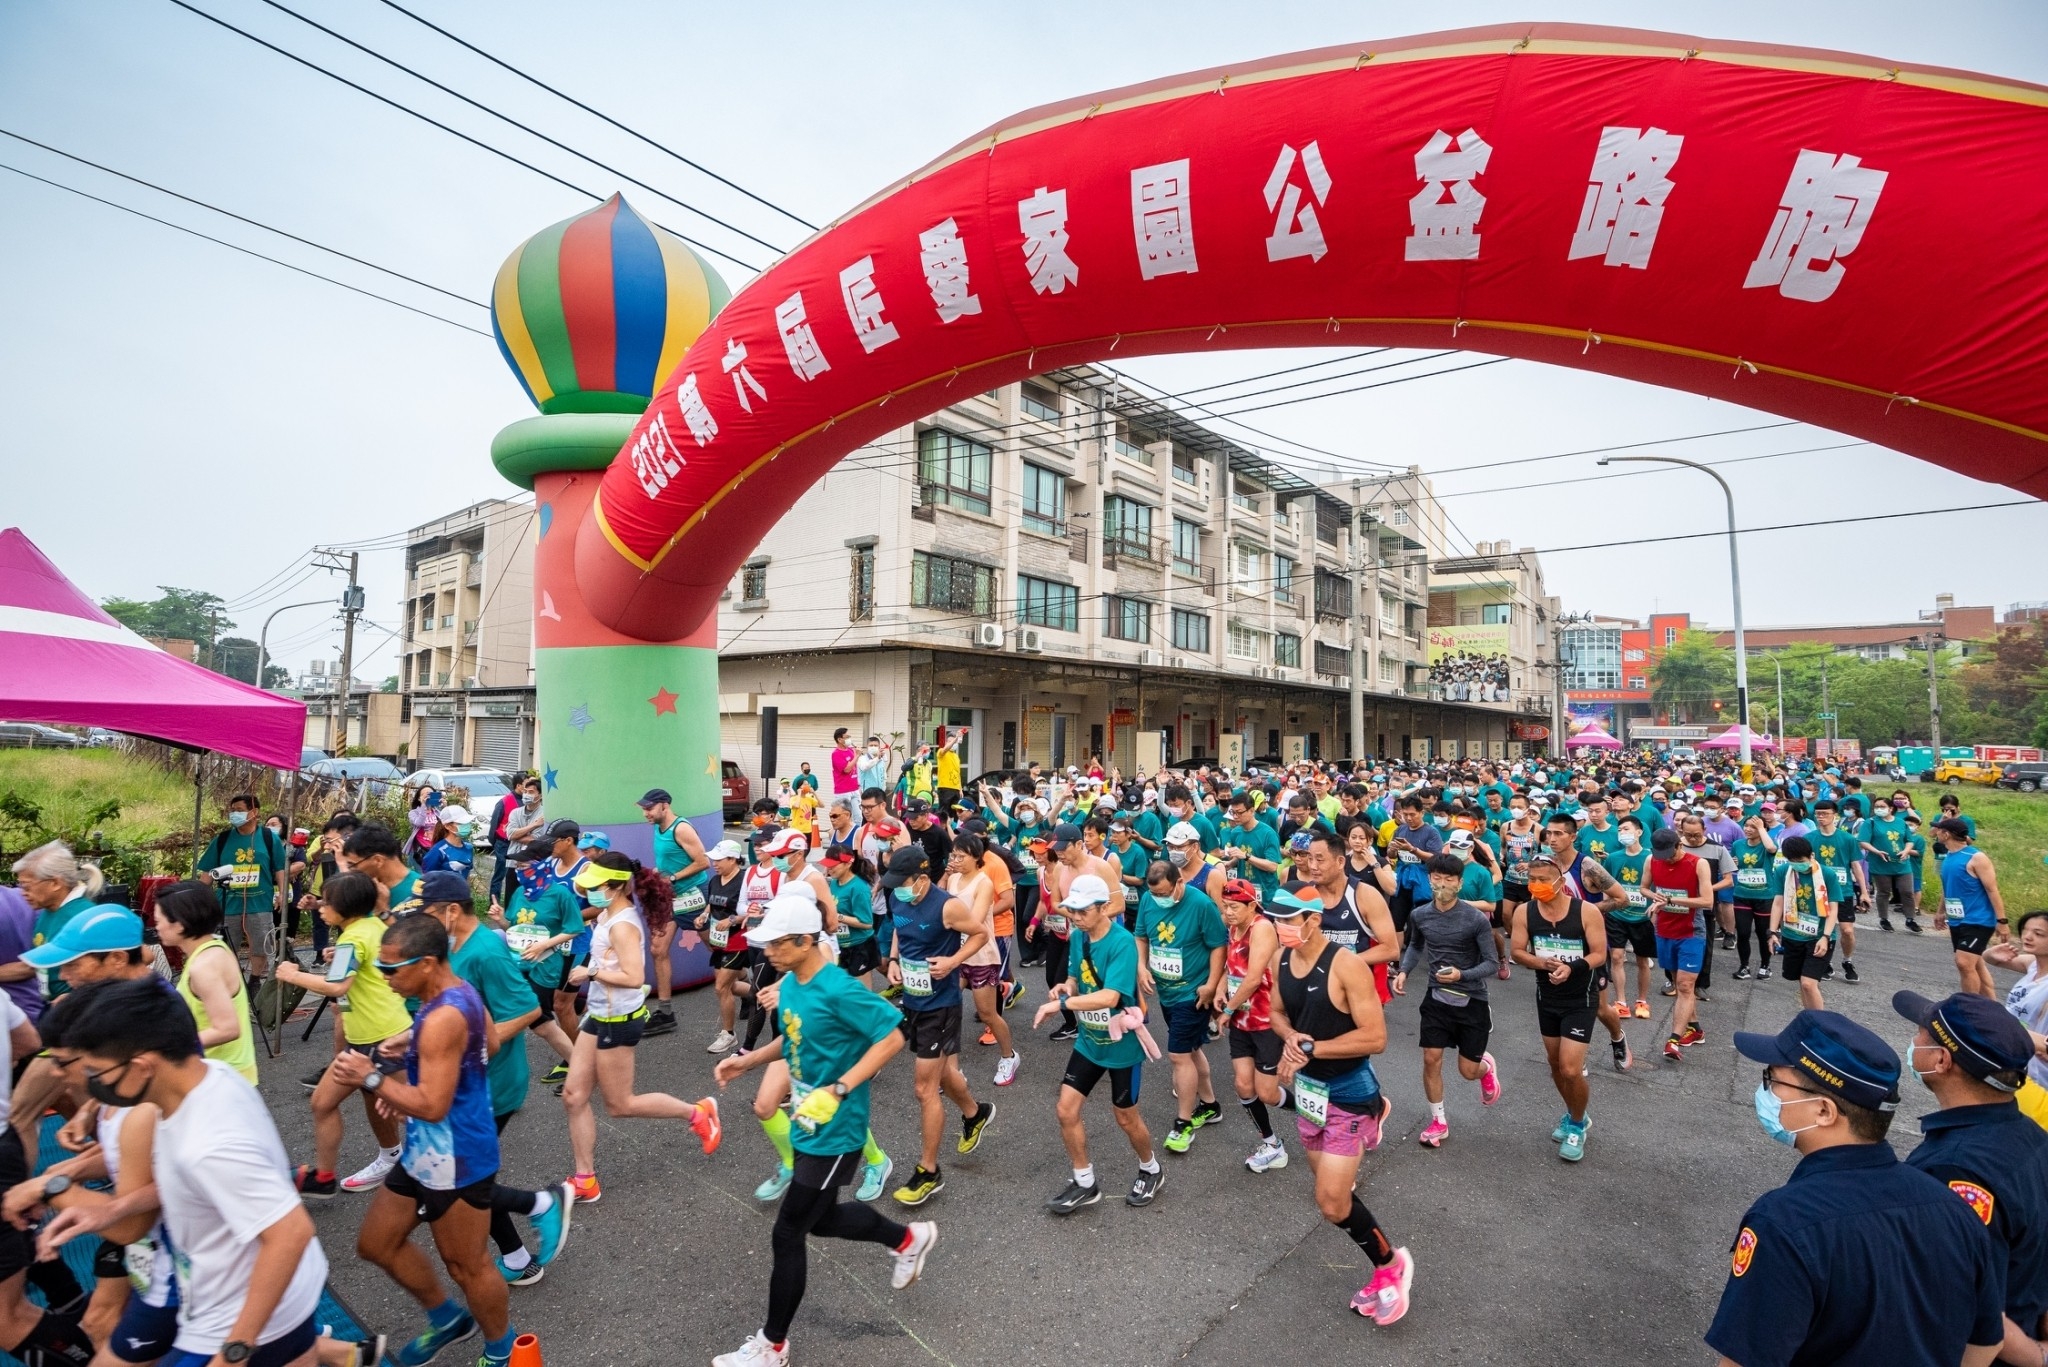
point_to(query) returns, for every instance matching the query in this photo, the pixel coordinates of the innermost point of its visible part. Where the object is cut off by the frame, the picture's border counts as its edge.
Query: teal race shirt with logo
(485, 963)
(828, 1023)
(1802, 920)
(1596, 845)
(255, 860)
(1110, 962)
(1755, 872)
(1178, 941)
(1260, 842)
(532, 920)
(1628, 871)
(1895, 838)
(1836, 853)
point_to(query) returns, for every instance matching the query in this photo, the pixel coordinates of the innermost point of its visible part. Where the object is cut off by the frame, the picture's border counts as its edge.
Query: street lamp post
(1735, 589)
(263, 636)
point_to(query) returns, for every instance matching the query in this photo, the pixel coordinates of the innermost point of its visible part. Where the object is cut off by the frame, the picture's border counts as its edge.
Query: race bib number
(1751, 878)
(1347, 939)
(718, 935)
(1312, 1100)
(243, 880)
(524, 936)
(1558, 948)
(1804, 920)
(139, 1261)
(1097, 1019)
(1636, 897)
(917, 977)
(1952, 907)
(1165, 962)
(689, 901)
(1056, 924)
(1026, 860)
(1231, 982)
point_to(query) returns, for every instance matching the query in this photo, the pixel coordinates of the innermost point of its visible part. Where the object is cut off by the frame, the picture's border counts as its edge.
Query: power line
(524, 128)
(428, 119)
(246, 251)
(600, 114)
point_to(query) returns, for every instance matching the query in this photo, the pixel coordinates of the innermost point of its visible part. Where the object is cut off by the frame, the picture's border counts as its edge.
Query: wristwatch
(838, 1089)
(56, 1186)
(1308, 1048)
(236, 1351)
(373, 1081)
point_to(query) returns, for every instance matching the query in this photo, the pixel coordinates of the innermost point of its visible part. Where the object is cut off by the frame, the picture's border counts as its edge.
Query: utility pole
(351, 608)
(1933, 697)
(1358, 625)
(1826, 710)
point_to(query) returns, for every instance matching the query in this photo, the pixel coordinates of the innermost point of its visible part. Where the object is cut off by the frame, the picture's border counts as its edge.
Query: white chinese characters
(735, 360)
(944, 258)
(1444, 214)
(864, 305)
(799, 339)
(1631, 178)
(655, 458)
(1296, 230)
(695, 415)
(1821, 216)
(1162, 219)
(1043, 220)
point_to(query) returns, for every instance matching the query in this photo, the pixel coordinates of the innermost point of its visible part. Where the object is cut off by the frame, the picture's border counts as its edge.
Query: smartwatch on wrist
(236, 1351)
(56, 1186)
(373, 1081)
(1308, 1048)
(839, 1089)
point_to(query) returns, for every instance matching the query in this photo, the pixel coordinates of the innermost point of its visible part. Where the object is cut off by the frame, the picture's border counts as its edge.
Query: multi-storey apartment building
(1070, 569)
(465, 671)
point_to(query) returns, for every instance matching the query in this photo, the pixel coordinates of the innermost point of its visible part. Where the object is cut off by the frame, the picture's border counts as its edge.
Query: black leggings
(816, 1210)
(1027, 903)
(1753, 917)
(1056, 969)
(507, 1202)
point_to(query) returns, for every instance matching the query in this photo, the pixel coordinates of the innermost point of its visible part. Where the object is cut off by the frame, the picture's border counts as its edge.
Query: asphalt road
(1520, 1258)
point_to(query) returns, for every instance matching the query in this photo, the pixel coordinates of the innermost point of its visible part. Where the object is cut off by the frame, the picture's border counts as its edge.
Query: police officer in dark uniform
(1972, 1054)
(1858, 1258)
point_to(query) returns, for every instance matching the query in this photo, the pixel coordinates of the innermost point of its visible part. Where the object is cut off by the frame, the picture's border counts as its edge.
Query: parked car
(310, 755)
(998, 779)
(737, 793)
(2027, 776)
(379, 776)
(1955, 772)
(30, 735)
(485, 785)
(99, 737)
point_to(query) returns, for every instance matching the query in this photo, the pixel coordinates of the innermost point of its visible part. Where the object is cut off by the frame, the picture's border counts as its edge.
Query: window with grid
(1190, 630)
(1494, 614)
(1248, 567)
(1390, 669)
(1390, 612)
(1044, 603)
(1126, 527)
(1245, 644)
(1039, 403)
(1332, 661)
(954, 470)
(861, 607)
(940, 581)
(1287, 651)
(1283, 573)
(1671, 636)
(754, 582)
(1127, 619)
(1045, 500)
(1187, 546)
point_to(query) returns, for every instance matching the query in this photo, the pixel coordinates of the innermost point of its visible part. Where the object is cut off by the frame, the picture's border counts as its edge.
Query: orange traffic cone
(526, 1351)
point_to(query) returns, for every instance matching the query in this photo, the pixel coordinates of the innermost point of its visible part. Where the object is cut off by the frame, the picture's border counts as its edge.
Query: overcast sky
(178, 413)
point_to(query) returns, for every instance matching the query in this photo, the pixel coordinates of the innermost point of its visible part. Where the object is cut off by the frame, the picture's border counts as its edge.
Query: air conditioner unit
(472, 681)
(1030, 640)
(1152, 657)
(989, 634)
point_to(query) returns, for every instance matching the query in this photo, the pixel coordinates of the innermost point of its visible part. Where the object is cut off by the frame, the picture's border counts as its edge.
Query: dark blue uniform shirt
(1996, 1160)
(1859, 1259)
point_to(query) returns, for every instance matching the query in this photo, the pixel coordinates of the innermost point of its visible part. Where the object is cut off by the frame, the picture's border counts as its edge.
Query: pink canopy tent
(64, 660)
(1731, 739)
(1595, 737)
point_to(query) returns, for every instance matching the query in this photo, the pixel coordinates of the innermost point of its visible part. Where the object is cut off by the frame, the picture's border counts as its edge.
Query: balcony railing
(1119, 546)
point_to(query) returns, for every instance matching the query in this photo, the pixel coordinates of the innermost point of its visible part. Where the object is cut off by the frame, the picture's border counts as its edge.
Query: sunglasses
(388, 969)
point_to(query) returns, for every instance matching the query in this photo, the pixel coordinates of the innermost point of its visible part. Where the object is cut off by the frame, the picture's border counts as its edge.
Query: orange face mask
(1542, 892)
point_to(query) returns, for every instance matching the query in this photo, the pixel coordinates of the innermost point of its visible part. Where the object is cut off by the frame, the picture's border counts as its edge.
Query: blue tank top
(462, 1147)
(1958, 884)
(670, 858)
(922, 936)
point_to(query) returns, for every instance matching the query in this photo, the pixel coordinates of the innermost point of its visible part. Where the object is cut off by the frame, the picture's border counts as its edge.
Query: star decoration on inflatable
(548, 775)
(665, 702)
(711, 765)
(580, 718)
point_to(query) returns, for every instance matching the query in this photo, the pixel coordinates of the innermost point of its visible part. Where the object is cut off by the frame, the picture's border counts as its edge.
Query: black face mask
(102, 1091)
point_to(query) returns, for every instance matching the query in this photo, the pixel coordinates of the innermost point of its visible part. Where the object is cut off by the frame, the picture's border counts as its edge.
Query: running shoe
(659, 1022)
(1006, 1069)
(1573, 1146)
(974, 1126)
(1624, 1058)
(552, 1224)
(1013, 996)
(1270, 1154)
(1672, 1051)
(1179, 1137)
(1145, 1187)
(584, 1184)
(1434, 1133)
(488, 1359)
(311, 1080)
(371, 1175)
(773, 1188)
(555, 1076)
(1670, 989)
(524, 1276)
(1065, 1033)
(429, 1345)
(314, 1188)
(1701, 995)
(721, 1043)
(1743, 974)
(1384, 1299)
(1375, 1130)
(1886, 926)
(874, 1177)
(910, 1258)
(367, 1352)
(1563, 1122)
(1074, 1196)
(1763, 972)
(921, 1187)
(1206, 1113)
(892, 991)
(1727, 940)
(757, 1351)
(1693, 1035)
(988, 1036)
(1489, 1081)
(1913, 925)
(1849, 972)
(704, 1124)
(1642, 1009)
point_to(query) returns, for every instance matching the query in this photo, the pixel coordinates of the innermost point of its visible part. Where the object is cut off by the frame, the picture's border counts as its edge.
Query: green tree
(1995, 697)
(183, 614)
(1692, 676)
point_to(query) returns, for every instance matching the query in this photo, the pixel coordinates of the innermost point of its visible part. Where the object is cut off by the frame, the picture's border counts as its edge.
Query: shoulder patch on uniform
(1976, 1198)
(1745, 1249)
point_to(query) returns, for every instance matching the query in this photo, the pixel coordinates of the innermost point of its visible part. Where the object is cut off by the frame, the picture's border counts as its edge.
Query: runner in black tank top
(1328, 1014)
(1564, 941)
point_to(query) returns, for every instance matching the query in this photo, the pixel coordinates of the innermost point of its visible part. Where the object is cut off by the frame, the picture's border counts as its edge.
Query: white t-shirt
(10, 1016)
(222, 1179)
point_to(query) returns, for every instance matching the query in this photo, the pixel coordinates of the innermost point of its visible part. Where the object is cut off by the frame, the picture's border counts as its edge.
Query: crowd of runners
(1264, 921)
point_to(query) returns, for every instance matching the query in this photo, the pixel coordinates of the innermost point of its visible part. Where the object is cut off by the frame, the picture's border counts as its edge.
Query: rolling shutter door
(810, 738)
(497, 743)
(437, 742)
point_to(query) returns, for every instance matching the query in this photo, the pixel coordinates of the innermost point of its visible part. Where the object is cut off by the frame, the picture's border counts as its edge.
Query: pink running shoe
(1384, 1299)
(1434, 1133)
(1374, 1129)
(1489, 1081)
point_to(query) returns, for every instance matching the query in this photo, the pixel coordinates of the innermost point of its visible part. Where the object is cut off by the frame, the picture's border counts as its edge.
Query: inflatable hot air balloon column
(591, 315)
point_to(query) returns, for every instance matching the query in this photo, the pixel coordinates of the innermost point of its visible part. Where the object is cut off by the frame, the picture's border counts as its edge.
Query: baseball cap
(1183, 833)
(1065, 834)
(1294, 899)
(1458, 840)
(907, 863)
(1981, 1034)
(787, 914)
(726, 849)
(1664, 839)
(1840, 1057)
(1086, 891)
(786, 842)
(1952, 825)
(530, 851)
(455, 814)
(103, 930)
(593, 840)
(593, 875)
(837, 855)
(1241, 890)
(563, 829)
(917, 806)
(445, 885)
(654, 796)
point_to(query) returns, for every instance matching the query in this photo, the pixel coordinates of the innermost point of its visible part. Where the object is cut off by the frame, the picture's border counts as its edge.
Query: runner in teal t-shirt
(246, 864)
(1840, 854)
(1180, 952)
(1257, 844)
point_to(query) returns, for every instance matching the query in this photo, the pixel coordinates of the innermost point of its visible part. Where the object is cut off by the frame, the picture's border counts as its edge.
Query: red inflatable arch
(1853, 243)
